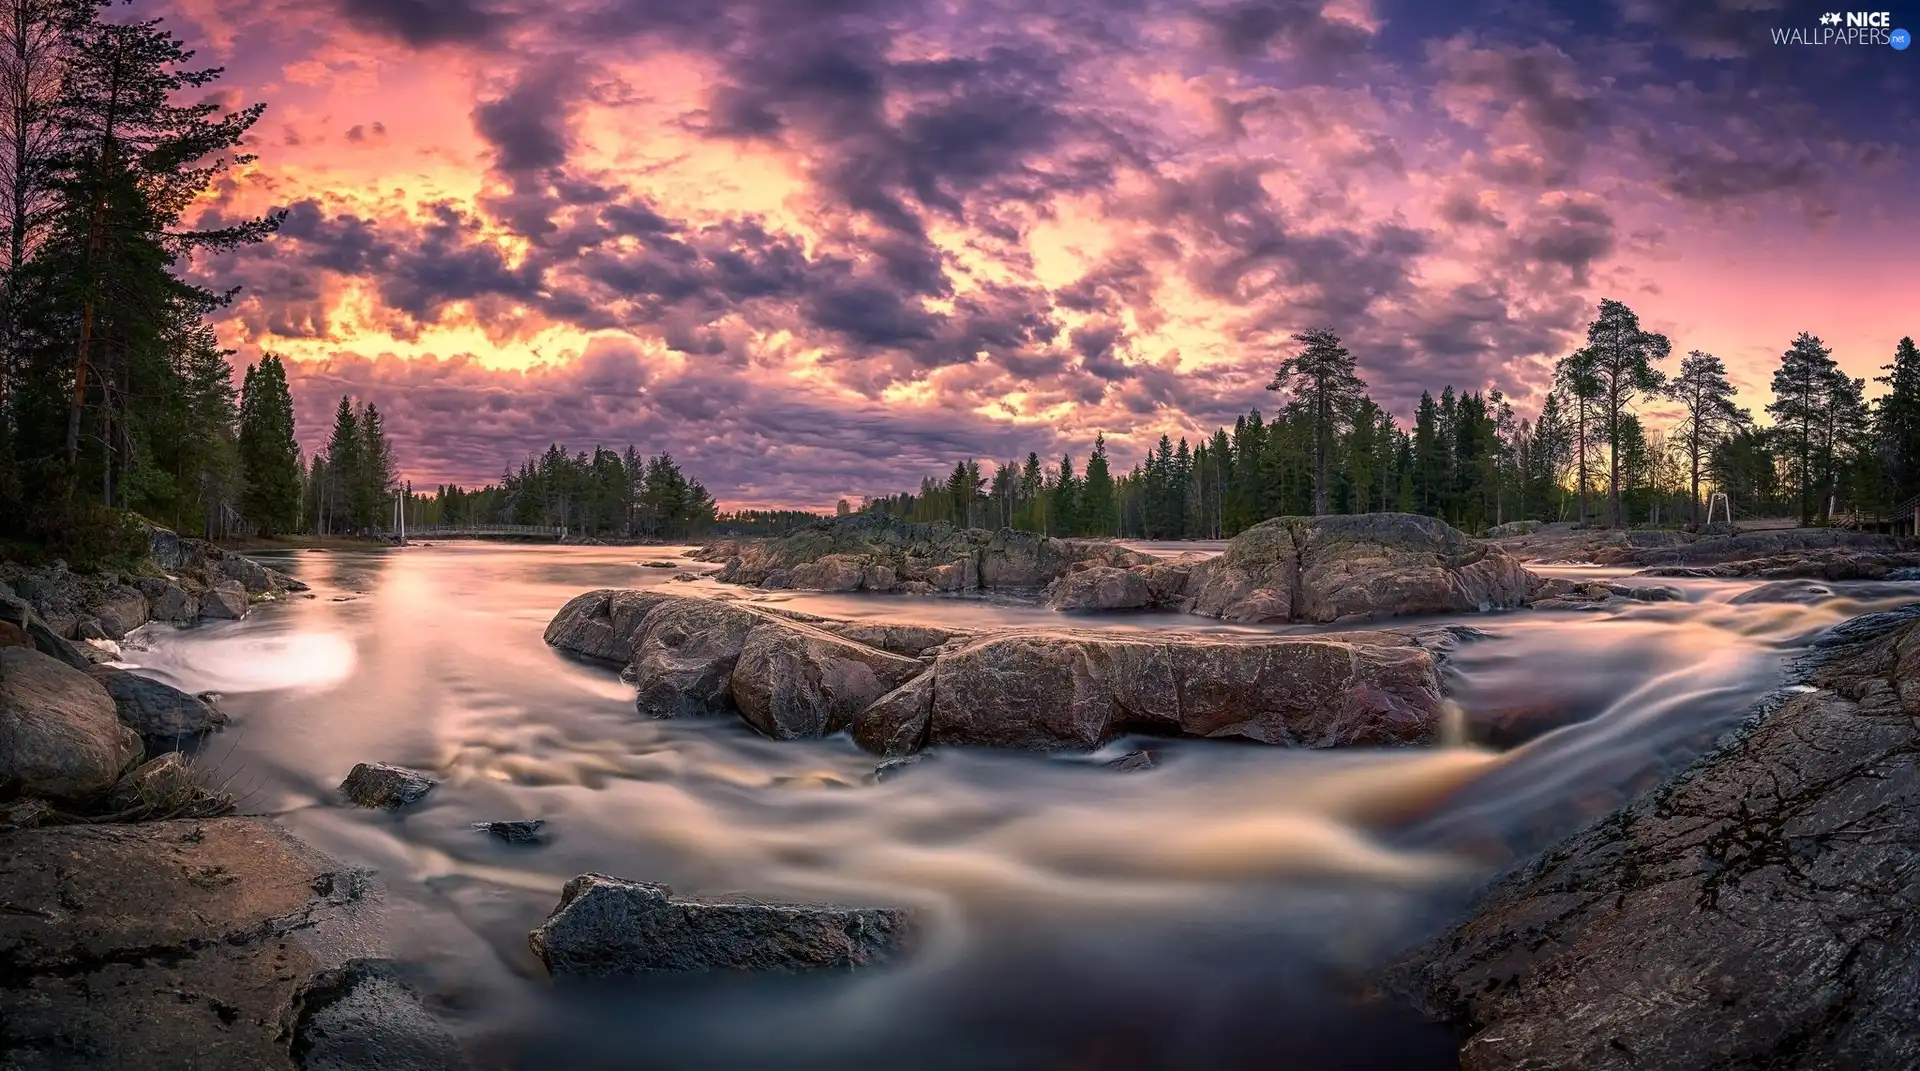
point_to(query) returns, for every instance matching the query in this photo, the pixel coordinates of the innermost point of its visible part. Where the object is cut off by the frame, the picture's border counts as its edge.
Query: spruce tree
(1802, 388)
(1098, 514)
(1576, 376)
(345, 470)
(373, 492)
(1897, 419)
(1066, 500)
(269, 455)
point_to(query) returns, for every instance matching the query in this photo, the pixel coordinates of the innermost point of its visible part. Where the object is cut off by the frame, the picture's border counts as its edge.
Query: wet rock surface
(609, 927)
(219, 944)
(1759, 910)
(382, 786)
(520, 831)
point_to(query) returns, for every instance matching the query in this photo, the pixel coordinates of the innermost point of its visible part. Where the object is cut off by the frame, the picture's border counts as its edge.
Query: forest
(1827, 456)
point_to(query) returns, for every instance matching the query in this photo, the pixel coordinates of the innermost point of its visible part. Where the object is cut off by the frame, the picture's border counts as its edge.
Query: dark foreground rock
(1316, 569)
(1760, 910)
(60, 737)
(1049, 689)
(521, 831)
(378, 785)
(606, 926)
(159, 712)
(867, 552)
(222, 945)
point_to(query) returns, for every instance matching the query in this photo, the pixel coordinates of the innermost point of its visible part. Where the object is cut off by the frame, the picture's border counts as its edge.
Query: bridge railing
(550, 531)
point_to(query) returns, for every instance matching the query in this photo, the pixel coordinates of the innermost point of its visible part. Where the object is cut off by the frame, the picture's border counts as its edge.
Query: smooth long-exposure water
(1220, 911)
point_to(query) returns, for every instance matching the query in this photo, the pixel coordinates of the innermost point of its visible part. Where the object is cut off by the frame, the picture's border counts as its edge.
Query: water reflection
(1213, 912)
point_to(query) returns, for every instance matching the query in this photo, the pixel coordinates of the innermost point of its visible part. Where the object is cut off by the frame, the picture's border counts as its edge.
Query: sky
(821, 248)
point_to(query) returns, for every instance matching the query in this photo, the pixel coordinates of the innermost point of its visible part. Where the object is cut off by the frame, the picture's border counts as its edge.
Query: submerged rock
(521, 831)
(892, 768)
(607, 926)
(1133, 762)
(219, 945)
(1758, 910)
(158, 711)
(59, 734)
(379, 785)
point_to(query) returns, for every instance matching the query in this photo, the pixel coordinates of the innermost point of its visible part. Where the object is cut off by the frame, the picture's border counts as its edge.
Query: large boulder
(168, 601)
(793, 681)
(610, 927)
(1759, 910)
(121, 610)
(896, 724)
(683, 656)
(226, 600)
(1053, 690)
(156, 710)
(21, 615)
(601, 625)
(218, 945)
(59, 734)
(1349, 568)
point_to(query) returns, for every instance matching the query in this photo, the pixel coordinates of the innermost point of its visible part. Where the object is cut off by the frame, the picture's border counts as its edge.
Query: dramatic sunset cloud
(819, 248)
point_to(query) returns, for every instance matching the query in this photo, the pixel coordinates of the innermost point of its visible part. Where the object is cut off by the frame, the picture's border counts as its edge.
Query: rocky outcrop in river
(1812, 553)
(866, 552)
(1760, 910)
(1317, 569)
(1034, 689)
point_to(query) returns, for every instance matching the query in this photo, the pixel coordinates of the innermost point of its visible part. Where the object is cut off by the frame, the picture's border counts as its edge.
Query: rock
(658, 564)
(601, 625)
(683, 577)
(892, 768)
(21, 615)
(23, 814)
(1513, 528)
(795, 682)
(1051, 690)
(523, 831)
(378, 785)
(59, 736)
(220, 945)
(12, 635)
(684, 654)
(88, 628)
(1329, 569)
(224, 601)
(897, 723)
(168, 787)
(1102, 588)
(609, 927)
(909, 640)
(122, 610)
(158, 711)
(876, 553)
(168, 601)
(1133, 762)
(1757, 910)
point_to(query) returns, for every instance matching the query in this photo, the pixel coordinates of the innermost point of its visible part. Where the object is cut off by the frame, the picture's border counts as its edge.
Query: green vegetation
(1468, 460)
(605, 494)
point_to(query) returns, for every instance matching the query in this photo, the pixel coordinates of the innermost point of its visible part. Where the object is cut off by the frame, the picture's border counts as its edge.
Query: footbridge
(554, 532)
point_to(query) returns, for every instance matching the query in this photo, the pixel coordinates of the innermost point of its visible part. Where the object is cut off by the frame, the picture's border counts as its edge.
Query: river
(1220, 911)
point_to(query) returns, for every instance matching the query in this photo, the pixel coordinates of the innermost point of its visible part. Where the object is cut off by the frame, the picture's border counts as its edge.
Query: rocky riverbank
(1790, 553)
(1759, 910)
(184, 580)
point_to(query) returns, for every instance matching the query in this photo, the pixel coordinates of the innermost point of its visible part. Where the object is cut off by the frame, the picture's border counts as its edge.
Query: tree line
(605, 494)
(1466, 458)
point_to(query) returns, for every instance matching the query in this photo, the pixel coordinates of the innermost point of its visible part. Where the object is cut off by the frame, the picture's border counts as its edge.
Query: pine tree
(1621, 357)
(1065, 507)
(1322, 378)
(373, 492)
(345, 469)
(1576, 376)
(1802, 388)
(1708, 416)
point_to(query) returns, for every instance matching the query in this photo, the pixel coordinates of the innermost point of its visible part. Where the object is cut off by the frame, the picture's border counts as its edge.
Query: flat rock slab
(211, 945)
(610, 927)
(1759, 911)
(378, 785)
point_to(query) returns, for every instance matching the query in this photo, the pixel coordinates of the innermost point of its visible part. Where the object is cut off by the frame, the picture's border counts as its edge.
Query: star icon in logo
(1831, 18)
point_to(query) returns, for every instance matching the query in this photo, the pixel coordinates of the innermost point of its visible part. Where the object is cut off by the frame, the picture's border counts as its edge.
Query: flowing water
(1221, 911)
